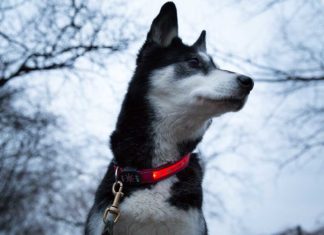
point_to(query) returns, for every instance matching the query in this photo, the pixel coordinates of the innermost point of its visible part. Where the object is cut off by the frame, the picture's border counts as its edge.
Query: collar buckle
(130, 176)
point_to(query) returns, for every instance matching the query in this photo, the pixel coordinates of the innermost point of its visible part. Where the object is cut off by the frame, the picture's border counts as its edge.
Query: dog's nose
(245, 82)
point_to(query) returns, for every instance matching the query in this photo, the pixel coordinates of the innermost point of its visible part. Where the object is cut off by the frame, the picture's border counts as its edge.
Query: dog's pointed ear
(200, 44)
(164, 27)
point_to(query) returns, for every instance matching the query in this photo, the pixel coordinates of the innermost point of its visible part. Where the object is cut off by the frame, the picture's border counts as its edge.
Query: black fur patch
(187, 192)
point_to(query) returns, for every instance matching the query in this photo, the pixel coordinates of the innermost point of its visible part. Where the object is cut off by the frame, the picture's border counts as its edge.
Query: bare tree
(40, 188)
(299, 231)
(293, 68)
(300, 73)
(292, 71)
(28, 165)
(51, 35)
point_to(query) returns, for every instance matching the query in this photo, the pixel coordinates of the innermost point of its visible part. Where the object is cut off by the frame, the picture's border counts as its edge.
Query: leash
(112, 213)
(109, 225)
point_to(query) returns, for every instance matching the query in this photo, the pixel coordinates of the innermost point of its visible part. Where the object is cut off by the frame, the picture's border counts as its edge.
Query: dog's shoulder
(187, 193)
(172, 206)
(176, 200)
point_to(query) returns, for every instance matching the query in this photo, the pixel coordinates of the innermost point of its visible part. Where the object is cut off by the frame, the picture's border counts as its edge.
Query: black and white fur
(174, 93)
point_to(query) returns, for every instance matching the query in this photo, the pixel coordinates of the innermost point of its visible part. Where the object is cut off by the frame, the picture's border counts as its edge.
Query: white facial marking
(175, 123)
(175, 95)
(184, 106)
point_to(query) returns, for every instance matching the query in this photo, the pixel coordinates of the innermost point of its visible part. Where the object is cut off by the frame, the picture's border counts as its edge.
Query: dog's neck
(175, 136)
(143, 141)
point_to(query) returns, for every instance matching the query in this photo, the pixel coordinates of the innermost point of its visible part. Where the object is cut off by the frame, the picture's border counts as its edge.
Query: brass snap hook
(114, 208)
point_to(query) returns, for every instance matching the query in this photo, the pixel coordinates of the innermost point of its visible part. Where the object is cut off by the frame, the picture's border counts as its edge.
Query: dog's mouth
(204, 99)
(236, 102)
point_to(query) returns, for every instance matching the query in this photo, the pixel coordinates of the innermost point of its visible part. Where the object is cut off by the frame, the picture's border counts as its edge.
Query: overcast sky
(269, 200)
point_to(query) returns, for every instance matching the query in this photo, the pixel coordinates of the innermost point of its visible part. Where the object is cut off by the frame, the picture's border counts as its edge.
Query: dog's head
(184, 78)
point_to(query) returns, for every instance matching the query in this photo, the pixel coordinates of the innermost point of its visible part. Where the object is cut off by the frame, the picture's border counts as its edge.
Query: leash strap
(112, 213)
(109, 225)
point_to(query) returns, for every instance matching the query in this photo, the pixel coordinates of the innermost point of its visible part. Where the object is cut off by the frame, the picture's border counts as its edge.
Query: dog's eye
(194, 63)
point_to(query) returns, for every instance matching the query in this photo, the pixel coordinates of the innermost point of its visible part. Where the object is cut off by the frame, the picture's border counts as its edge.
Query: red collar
(153, 175)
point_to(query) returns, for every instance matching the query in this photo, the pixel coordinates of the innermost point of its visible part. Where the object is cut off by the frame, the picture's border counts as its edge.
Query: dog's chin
(233, 104)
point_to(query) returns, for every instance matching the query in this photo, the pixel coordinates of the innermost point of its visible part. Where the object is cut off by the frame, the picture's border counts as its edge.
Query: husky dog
(174, 93)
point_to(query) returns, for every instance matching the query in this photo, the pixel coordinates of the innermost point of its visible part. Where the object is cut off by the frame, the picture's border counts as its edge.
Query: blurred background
(64, 69)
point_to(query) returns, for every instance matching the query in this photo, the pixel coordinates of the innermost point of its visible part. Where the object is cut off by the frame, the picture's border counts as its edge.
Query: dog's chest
(147, 212)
